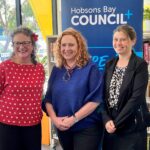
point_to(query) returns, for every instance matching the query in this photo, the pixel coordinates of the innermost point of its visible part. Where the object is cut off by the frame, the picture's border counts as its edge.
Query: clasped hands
(63, 123)
(110, 126)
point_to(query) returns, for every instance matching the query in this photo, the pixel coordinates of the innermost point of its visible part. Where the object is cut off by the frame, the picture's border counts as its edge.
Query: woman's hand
(110, 126)
(69, 121)
(60, 124)
(57, 121)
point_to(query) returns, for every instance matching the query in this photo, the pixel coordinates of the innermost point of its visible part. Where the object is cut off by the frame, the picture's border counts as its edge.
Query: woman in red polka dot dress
(21, 86)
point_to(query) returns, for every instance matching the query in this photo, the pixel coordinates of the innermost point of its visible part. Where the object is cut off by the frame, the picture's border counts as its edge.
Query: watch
(75, 118)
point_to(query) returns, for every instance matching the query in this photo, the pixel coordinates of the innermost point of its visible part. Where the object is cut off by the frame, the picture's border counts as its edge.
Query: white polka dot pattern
(21, 89)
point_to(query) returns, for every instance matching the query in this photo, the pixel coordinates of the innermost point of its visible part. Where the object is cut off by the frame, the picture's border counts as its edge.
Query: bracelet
(75, 118)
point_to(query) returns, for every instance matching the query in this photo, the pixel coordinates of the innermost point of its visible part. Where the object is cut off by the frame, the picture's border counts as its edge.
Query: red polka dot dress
(21, 89)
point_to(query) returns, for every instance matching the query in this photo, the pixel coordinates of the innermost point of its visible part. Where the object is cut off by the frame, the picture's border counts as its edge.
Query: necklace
(68, 73)
(70, 67)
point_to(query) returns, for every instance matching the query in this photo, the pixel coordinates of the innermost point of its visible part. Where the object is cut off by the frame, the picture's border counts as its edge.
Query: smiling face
(22, 46)
(122, 43)
(69, 48)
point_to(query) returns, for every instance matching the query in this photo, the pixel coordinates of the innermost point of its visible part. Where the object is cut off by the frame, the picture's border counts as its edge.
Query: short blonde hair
(82, 55)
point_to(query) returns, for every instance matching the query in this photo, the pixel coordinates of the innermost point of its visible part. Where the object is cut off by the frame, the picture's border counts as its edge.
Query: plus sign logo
(128, 14)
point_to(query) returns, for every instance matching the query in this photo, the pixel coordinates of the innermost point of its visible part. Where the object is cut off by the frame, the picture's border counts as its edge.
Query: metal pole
(54, 14)
(18, 13)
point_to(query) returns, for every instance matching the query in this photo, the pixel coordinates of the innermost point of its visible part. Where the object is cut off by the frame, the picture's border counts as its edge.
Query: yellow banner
(42, 10)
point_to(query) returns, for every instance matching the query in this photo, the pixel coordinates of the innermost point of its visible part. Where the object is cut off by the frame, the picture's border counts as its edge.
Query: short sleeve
(48, 95)
(95, 85)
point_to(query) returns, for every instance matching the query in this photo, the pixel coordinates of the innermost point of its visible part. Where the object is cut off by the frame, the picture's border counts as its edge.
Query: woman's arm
(137, 96)
(58, 121)
(86, 110)
(92, 99)
(83, 112)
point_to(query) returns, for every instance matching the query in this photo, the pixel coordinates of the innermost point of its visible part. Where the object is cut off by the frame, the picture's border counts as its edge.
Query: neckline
(10, 60)
(121, 67)
(67, 67)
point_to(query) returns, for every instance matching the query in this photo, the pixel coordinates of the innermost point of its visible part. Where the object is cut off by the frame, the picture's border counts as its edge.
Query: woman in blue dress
(74, 92)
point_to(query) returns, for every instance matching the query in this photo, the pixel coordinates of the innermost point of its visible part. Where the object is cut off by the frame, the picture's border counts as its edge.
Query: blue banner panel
(96, 20)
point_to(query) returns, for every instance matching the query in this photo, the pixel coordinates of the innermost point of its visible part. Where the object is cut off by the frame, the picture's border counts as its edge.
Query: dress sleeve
(95, 85)
(2, 78)
(48, 95)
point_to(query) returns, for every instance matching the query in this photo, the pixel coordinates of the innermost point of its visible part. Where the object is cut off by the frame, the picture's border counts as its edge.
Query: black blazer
(132, 102)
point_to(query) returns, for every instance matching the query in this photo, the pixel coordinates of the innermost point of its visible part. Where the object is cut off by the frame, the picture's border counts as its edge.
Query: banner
(43, 14)
(97, 19)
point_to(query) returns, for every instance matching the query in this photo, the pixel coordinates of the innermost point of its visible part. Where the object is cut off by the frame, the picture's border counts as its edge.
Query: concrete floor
(47, 147)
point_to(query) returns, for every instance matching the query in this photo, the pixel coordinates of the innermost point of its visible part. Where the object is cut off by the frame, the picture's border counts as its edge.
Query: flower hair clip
(35, 37)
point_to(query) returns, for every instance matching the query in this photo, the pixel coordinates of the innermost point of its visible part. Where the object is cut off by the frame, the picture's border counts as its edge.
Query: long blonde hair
(82, 56)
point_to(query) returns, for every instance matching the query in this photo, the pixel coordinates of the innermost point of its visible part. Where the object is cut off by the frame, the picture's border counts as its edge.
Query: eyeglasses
(67, 74)
(24, 43)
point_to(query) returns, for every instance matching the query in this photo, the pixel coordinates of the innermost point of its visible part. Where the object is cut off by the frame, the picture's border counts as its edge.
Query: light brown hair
(128, 30)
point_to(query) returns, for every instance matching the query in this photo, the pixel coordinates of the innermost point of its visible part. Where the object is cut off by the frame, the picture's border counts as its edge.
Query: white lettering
(107, 9)
(85, 10)
(98, 19)
(111, 19)
(122, 20)
(84, 20)
(73, 20)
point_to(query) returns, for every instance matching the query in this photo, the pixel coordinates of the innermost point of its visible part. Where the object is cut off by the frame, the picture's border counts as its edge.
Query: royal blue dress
(68, 94)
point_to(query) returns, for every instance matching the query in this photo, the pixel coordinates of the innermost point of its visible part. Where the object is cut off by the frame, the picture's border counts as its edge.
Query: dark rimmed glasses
(23, 43)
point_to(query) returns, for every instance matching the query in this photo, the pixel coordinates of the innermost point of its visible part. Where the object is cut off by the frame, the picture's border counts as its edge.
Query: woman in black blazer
(126, 78)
